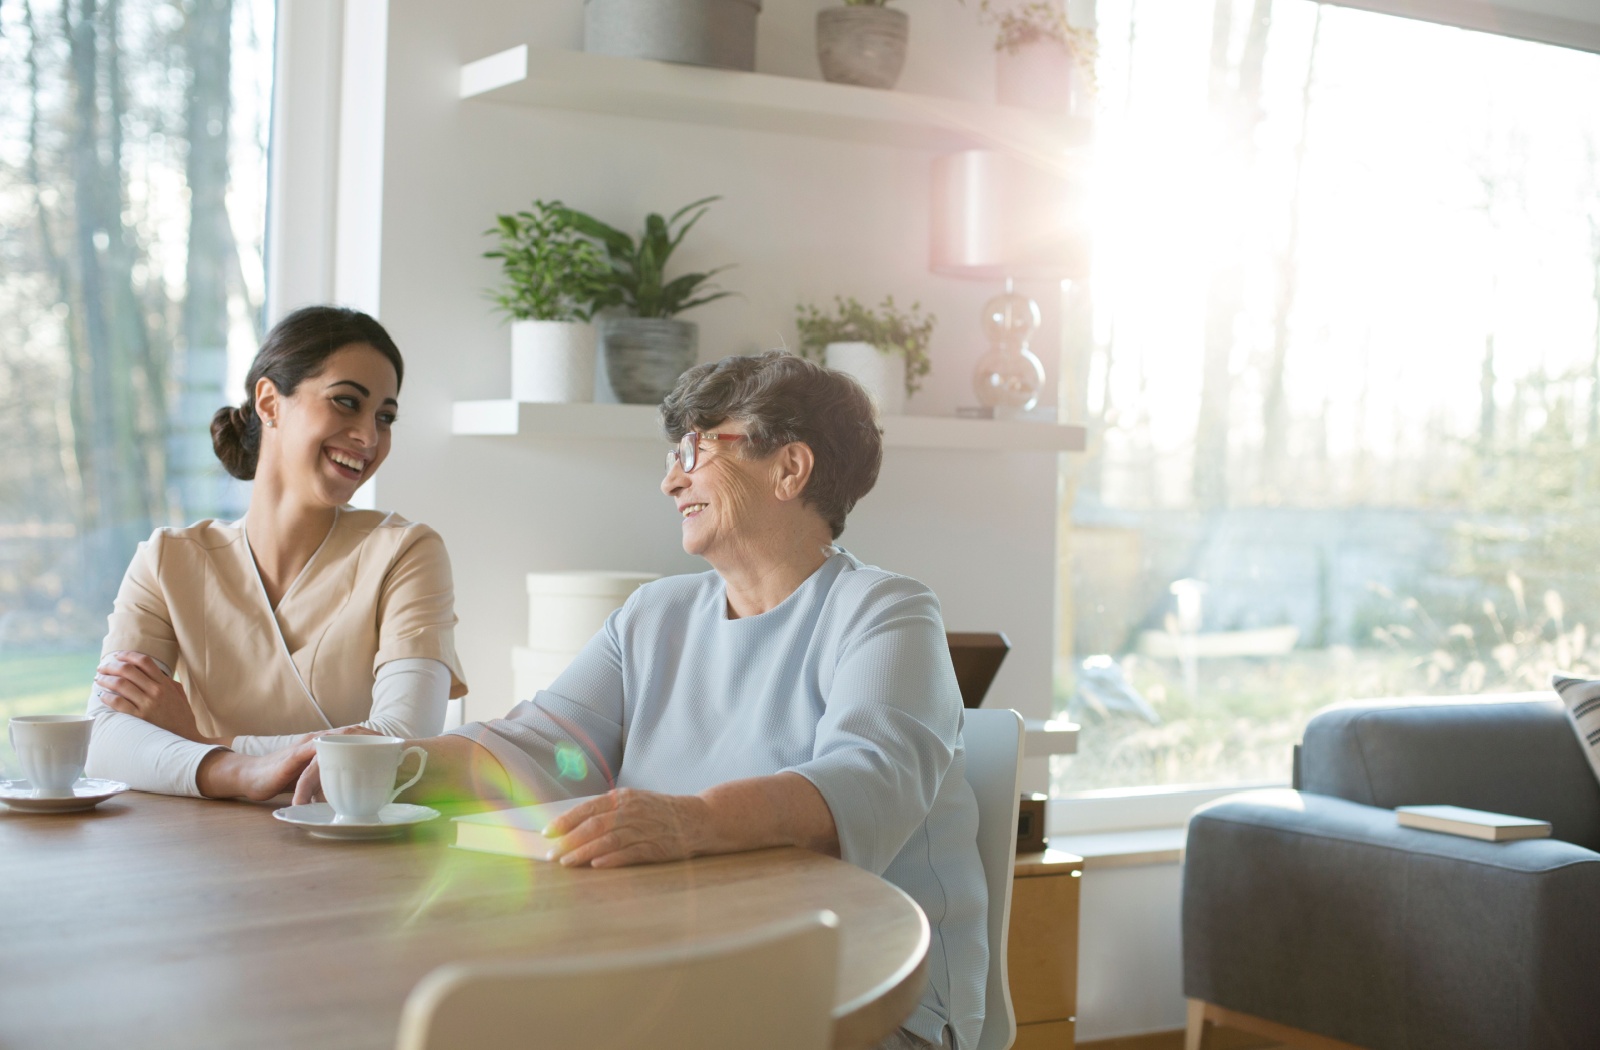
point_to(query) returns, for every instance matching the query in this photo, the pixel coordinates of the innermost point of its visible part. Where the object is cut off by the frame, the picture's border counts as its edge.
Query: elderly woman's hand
(134, 684)
(628, 826)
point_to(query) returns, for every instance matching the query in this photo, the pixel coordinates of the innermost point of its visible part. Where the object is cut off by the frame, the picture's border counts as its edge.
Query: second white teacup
(358, 774)
(52, 750)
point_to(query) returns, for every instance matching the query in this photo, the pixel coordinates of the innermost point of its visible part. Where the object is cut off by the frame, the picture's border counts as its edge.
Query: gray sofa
(1313, 909)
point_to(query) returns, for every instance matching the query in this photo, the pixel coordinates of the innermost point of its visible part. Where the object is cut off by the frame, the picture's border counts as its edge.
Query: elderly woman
(792, 696)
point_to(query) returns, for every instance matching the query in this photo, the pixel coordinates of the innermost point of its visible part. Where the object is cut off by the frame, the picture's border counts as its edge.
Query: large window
(1344, 379)
(133, 139)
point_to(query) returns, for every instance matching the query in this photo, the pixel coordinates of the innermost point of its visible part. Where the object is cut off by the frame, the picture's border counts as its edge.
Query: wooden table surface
(171, 922)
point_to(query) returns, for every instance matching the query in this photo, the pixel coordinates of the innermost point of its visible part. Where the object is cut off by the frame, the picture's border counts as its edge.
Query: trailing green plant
(886, 328)
(549, 270)
(634, 277)
(1017, 26)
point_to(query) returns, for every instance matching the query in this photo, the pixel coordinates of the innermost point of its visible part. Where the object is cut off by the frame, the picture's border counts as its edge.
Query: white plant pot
(883, 374)
(552, 361)
(1041, 75)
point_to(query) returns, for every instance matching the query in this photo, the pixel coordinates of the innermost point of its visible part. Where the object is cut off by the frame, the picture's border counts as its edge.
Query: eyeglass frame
(687, 453)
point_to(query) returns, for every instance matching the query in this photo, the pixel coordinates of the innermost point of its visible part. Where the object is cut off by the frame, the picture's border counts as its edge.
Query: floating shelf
(650, 90)
(642, 423)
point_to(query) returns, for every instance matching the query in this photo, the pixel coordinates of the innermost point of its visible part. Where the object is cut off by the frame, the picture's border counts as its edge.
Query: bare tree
(212, 258)
(1274, 409)
(1235, 95)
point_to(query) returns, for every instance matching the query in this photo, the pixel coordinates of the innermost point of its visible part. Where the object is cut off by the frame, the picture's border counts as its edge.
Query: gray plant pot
(862, 45)
(718, 33)
(646, 355)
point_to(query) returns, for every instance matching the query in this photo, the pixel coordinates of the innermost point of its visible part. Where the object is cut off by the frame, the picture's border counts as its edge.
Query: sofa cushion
(1582, 699)
(1509, 754)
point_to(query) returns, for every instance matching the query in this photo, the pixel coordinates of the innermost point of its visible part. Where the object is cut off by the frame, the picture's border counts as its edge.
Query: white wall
(802, 218)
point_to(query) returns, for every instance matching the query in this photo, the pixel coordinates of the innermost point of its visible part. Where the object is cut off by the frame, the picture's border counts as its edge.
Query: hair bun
(236, 439)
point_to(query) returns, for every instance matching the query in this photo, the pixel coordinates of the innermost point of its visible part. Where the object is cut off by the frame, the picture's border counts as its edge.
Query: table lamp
(998, 216)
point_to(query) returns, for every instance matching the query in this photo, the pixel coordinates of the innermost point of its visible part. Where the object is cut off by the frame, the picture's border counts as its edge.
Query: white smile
(692, 509)
(348, 462)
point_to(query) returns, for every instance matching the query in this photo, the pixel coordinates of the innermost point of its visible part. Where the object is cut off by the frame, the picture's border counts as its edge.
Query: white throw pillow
(1582, 697)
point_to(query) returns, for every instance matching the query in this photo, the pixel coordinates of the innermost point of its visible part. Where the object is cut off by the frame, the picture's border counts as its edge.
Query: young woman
(231, 644)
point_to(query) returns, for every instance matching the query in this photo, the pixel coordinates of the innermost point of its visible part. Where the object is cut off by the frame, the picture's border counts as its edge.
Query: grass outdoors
(53, 684)
(1236, 720)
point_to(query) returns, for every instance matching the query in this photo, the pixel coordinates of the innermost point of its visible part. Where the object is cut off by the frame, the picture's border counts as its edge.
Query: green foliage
(1024, 24)
(634, 278)
(886, 328)
(549, 271)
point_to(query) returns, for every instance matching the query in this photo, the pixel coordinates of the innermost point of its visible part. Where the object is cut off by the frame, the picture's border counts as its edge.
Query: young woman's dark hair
(296, 349)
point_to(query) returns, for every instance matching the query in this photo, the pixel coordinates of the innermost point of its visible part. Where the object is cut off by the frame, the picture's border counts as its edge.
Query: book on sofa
(514, 832)
(1472, 823)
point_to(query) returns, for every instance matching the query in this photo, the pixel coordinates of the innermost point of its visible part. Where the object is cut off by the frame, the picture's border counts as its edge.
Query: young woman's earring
(272, 422)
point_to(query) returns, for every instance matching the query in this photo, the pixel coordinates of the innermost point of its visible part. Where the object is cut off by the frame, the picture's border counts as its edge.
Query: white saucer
(87, 793)
(318, 818)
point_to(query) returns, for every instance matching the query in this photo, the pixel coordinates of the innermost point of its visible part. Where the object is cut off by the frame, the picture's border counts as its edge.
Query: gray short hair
(781, 399)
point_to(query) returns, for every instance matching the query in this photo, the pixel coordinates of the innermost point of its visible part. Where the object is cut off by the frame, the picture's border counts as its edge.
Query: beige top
(377, 589)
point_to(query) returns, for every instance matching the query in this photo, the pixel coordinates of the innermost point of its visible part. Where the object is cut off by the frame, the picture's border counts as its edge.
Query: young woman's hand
(134, 684)
(224, 774)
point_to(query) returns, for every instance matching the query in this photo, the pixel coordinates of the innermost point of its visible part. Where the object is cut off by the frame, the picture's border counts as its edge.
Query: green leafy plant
(549, 270)
(886, 328)
(1017, 26)
(634, 277)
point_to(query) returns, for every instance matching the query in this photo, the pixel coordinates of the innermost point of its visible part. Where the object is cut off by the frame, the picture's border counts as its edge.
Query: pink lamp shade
(996, 215)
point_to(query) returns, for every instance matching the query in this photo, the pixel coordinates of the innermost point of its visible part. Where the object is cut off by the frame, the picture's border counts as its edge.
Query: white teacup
(52, 750)
(358, 774)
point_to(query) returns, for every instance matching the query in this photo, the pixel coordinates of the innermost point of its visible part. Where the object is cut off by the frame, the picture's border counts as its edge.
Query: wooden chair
(994, 758)
(771, 987)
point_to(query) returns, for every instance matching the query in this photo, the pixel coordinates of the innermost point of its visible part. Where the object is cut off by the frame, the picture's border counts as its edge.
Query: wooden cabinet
(1042, 958)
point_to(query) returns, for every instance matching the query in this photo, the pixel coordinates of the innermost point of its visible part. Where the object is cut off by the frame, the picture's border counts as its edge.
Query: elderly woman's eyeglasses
(687, 454)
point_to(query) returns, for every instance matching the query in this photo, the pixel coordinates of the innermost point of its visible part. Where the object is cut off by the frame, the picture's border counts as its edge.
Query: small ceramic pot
(646, 355)
(883, 374)
(865, 46)
(1043, 75)
(552, 361)
(720, 33)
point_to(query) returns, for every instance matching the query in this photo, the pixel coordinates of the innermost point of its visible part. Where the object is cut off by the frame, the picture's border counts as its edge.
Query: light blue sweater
(847, 682)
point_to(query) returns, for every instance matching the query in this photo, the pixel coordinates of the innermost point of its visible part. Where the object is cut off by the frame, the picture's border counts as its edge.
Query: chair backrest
(994, 760)
(770, 987)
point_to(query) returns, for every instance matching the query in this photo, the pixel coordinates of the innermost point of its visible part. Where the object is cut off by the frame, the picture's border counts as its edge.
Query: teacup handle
(422, 763)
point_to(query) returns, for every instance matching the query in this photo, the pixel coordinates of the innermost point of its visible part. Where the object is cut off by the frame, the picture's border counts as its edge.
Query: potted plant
(696, 32)
(884, 349)
(1042, 60)
(550, 275)
(646, 347)
(863, 43)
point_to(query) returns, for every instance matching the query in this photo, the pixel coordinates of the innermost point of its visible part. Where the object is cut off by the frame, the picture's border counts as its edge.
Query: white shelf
(758, 102)
(643, 423)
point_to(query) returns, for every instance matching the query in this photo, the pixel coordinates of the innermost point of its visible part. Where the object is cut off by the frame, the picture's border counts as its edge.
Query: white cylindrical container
(552, 361)
(1043, 75)
(882, 373)
(532, 670)
(565, 609)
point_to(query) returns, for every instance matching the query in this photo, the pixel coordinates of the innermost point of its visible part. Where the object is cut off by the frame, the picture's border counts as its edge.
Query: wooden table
(171, 922)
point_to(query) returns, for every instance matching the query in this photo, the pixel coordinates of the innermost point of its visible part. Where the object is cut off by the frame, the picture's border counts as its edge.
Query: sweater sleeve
(143, 756)
(890, 724)
(567, 741)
